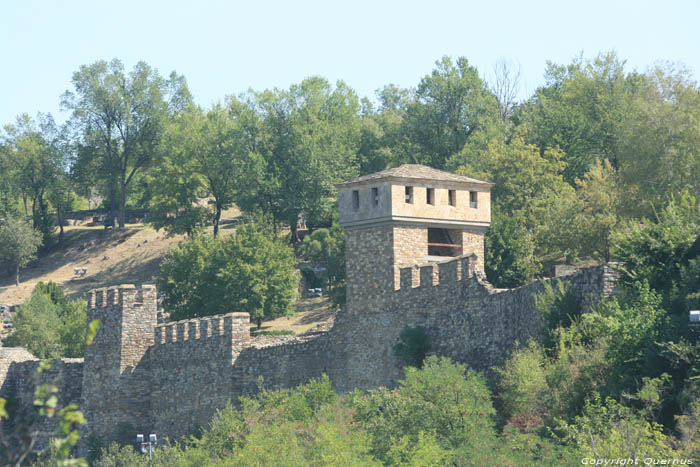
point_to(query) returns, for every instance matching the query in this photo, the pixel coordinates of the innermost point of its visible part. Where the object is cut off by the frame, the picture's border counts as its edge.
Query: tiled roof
(417, 172)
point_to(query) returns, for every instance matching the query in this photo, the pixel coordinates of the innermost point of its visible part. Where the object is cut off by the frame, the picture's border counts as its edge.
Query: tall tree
(660, 141)
(505, 87)
(9, 191)
(18, 243)
(120, 119)
(38, 160)
(307, 140)
(450, 106)
(580, 109)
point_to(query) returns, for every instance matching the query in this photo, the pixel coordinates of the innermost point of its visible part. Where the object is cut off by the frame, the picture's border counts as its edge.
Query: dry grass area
(310, 313)
(112, 257)
(128, 256)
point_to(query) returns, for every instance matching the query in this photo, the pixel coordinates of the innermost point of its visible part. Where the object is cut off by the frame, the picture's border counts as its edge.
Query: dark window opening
(356, 199)
(409, 194)
(472, 199)
(451, 197)
(444, 242)
(375, 196)
(429, 196)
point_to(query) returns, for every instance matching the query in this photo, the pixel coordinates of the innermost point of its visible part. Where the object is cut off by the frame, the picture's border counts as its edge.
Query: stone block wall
(473, 243)
(18, 381)
(369, 259)
(190, 370)
(466, 319)
(171, 378)
(115, 384)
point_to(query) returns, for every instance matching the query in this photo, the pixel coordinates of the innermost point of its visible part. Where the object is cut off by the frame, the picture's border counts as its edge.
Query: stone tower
(115, 395)
(408, 215)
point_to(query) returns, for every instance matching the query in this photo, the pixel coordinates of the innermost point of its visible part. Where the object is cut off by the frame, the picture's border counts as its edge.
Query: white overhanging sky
(227, 47)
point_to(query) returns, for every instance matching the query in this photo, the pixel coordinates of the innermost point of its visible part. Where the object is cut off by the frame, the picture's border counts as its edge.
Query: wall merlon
(407, 275)
(449, 272)
(231, 326)
(428, 275)
(112, 296)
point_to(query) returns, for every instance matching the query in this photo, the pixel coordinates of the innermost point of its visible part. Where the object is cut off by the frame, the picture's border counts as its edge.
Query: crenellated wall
(139, 376)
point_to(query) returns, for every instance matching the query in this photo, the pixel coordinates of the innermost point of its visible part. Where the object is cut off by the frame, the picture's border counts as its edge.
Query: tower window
(375, 196)
(472, 199)
(451, 197)
(444, 242)
(356, 199)
(430, 195)
(409, 194)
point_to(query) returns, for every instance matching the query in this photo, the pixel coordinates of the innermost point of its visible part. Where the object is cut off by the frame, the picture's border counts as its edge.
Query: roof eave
(394, 178)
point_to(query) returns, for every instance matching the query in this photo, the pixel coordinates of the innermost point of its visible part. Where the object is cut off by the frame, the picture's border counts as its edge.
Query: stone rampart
(190, 369)
(19, 381)
(465, 317)
(139, 376)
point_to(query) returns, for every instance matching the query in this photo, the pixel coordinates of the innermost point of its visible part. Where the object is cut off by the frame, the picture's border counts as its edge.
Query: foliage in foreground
(438, 415)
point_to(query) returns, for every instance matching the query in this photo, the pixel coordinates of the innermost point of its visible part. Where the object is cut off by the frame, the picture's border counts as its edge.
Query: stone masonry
(169, 379)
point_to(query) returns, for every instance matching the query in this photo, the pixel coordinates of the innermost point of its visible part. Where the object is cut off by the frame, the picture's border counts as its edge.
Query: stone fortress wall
(142, 377)
(139, 376)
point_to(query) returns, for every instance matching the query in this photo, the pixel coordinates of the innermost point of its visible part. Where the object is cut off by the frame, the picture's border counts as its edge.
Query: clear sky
(226, 47)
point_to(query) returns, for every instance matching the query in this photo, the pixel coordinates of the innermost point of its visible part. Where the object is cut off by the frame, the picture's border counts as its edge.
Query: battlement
(231, 327)
(433, 274)
(121, 297)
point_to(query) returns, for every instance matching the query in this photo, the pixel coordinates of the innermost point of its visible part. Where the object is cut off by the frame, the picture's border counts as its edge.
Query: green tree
(659, 153)
(303, 141)
(19, 243)
(450, 107)
(62, 198)
(9, 191)
(38, 163)
(250, 271)
(120, 118)
(527, 184)
(326, 247)
(49, 324)
(581, 110)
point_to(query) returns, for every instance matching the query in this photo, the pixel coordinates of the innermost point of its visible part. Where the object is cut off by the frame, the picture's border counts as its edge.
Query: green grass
(276, 332)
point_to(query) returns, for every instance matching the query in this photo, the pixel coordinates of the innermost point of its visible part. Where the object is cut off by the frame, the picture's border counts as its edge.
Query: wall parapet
(122, 296)
(231, 326)
(434, 274)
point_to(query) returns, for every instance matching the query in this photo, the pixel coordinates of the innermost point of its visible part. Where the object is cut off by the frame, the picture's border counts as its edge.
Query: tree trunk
(17, 276)
(59, 219)
(112, 202)
(294, 237)
(122, 208)
(217, 218)
(26, 209)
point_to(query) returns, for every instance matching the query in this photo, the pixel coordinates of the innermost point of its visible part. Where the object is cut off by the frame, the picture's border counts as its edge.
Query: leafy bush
(49, 324)
(413, 346)
(251, 271)
(521, 383)
(558, 305)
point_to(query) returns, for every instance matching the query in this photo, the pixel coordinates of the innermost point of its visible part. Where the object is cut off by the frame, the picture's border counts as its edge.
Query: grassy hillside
(128, 256)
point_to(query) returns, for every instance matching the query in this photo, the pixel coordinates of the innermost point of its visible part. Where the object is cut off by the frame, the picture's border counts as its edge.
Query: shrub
(251, 271)
(521, 382)
(413, 346)
(49, 324)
